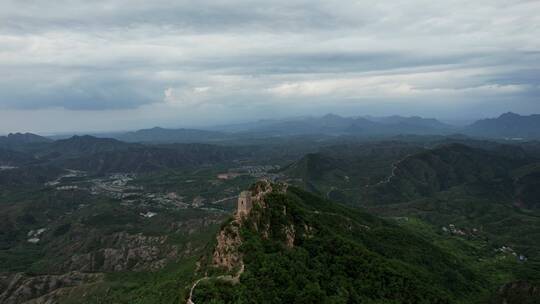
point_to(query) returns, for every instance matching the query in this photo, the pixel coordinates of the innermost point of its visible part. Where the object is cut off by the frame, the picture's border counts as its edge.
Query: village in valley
(134, 190)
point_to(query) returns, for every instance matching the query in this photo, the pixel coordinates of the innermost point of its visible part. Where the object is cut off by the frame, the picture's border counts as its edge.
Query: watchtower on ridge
(244, 203)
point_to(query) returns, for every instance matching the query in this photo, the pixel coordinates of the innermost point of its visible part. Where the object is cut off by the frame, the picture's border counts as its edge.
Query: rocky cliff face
(303, 240)
(86, 254)
(226, 253)
(521, 292)
(123, 251)
(20, 288)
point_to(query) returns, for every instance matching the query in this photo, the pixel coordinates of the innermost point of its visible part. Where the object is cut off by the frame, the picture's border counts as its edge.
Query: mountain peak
(508, 125)
(87, 138)
(509, 115)
(25, 138)
(331, 116)
(291, 235)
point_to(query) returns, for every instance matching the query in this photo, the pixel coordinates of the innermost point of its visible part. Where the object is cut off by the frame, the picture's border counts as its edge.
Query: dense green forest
(408, 220)
(344, 255)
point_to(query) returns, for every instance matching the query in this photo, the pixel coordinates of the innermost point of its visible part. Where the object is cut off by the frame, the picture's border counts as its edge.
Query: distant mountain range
(332, 124)
(415, 121)
(328, 125)
(18, 139)
(106, 155)
(507, 126)
(161, 135)
(86, 144)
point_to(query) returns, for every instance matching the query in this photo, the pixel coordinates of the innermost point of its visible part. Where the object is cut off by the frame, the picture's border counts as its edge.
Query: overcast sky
(70, 65)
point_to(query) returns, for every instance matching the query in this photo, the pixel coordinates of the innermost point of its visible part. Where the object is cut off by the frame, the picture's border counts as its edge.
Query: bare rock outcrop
(226, 254)
(517, 292)
(290, 235)
(122, 251)
(21, 288)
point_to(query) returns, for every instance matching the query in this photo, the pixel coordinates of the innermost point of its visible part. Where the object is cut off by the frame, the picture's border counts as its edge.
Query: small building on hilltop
(244, 204)
(256, 195)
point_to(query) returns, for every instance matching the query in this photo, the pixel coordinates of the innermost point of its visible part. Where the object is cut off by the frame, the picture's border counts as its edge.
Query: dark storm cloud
(199, 16)
(88, 92)
(529, 76)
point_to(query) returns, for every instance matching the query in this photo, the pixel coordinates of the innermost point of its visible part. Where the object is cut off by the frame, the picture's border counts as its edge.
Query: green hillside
(299, 248)
(426, 173)
(341, 172)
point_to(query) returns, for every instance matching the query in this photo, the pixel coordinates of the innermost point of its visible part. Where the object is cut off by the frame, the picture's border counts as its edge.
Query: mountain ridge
(507, 125)
(163, 135)
(16, 140)
(294, 247)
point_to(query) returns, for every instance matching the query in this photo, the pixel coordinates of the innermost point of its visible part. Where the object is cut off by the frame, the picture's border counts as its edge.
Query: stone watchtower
(244, 204)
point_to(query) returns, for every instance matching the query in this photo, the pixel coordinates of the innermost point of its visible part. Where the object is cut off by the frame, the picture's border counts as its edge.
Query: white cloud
(238, 55)
(423, 85)
(182, 97)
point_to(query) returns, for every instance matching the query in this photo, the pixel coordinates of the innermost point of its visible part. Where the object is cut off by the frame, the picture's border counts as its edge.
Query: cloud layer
(179, 61)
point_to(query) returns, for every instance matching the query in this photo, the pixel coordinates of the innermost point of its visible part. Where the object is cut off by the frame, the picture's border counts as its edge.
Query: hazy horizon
(115, 65)
(457, 123)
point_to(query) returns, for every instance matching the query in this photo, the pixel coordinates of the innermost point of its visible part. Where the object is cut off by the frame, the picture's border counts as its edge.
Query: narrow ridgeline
(285, 245)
